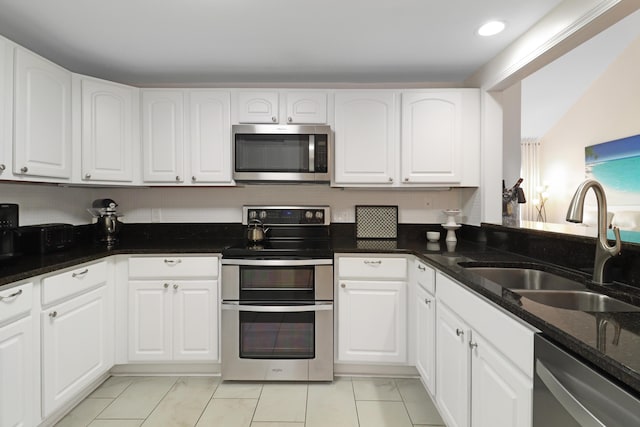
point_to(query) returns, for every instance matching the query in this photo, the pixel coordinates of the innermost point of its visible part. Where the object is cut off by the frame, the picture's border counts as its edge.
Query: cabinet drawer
(15, 301)
(72, 282)
(371, 267)
(425, 276)
(172, 266)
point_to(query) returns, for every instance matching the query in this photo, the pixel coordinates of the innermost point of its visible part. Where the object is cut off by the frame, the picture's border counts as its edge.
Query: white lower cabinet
(17, 359)
(372, 310)
(173, 309)
(173, 320)
(425, 306)
(77, 345)
(484, 361)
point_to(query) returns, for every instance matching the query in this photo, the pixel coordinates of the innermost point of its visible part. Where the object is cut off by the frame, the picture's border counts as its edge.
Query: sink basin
(578, 300)
(524, 278)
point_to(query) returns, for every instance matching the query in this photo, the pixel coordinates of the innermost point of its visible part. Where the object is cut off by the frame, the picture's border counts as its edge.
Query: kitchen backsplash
(50, 203)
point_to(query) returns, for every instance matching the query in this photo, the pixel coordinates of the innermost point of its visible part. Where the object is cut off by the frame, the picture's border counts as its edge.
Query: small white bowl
(433, 236)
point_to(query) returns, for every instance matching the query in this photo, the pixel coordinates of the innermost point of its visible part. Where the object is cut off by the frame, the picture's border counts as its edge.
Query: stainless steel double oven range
(277, 298)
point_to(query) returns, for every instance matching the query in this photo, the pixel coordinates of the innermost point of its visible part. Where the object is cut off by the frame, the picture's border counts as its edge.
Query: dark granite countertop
(574, 330)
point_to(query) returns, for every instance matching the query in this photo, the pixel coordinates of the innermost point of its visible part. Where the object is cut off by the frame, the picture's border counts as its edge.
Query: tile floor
(207, 401)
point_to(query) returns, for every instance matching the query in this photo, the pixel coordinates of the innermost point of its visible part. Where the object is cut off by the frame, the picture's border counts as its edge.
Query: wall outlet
(155, 215)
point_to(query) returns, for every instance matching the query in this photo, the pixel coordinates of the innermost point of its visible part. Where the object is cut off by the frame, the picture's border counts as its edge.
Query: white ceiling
(198, 42)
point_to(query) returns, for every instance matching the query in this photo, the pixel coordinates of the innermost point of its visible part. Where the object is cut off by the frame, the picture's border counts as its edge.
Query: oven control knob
(319, 215)
(263, 214)
(308, 215)
(253, 214)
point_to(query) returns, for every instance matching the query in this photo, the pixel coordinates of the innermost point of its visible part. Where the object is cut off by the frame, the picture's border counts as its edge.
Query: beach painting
(616, 165)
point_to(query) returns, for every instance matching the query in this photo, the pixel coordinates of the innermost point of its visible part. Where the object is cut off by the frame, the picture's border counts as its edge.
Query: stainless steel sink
(524, 278)
(578, 300)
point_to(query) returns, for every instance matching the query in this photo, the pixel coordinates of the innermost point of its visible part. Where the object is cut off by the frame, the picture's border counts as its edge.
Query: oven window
(277, 335)
(272, 153)
(276, 278)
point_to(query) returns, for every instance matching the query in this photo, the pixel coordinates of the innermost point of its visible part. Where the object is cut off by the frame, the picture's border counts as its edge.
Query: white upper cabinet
(365, 137)
(209, 118)
(258, 107)
(163, 135)
(107, 130)
(6, 88)
(42, 134)
(306, 107)
(440, 137)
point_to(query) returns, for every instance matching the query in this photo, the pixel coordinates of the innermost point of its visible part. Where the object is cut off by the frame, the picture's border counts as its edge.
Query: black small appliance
(8, 230)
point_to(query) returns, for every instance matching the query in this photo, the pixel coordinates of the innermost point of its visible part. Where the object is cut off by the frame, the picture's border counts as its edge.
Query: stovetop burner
(294, 232)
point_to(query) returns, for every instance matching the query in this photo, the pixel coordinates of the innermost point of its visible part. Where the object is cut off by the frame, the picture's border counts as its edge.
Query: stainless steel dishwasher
(569, 393)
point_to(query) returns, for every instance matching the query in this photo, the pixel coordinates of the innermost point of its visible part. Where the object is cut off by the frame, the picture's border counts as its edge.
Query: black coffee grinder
(107, 224)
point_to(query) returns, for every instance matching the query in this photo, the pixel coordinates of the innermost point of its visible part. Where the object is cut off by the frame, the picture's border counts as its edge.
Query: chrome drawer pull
(13, 295)
(80, 273)
(172, 261)
(421, 268)
(459, 332)
(53, 314)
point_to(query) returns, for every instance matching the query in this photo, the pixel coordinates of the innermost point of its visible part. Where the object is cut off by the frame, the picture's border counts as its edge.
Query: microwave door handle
(235, 306)
(312, 153)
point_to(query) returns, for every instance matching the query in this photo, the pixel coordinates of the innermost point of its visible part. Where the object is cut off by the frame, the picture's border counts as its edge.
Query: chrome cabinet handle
(166, 285)
(390, 179)
(53, 314)
(175, 286)
(13, 295)
(80, 273)
(427, 301)
(193, 178)
(406, 180)
(343, 285)
(87, 175)
(24, 169)
(378, 262)
(172, 261)
(2, 167)
(459, 332)
(473, 345)
(177, 177)
(422, 268)
(274, 119)
(289, 119)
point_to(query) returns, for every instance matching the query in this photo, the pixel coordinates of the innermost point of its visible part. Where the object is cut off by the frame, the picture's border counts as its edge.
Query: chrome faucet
(574, 214)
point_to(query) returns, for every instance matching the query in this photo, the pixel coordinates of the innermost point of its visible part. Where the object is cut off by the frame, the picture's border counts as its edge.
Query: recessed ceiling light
(491, 28)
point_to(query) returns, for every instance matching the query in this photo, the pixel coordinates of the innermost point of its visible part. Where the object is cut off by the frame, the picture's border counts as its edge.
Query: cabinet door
(107, 131)
(42, 144)
(372, 321)
(426, 337)
(17, 373)
(6, 123)
(163, 136)
(150, 321)
(306, 107)
(501, 395)
(210, 137)
(195, 326)
(453, 367)
(258, 107)
(77, 346)
(431, 137)
(365, 137)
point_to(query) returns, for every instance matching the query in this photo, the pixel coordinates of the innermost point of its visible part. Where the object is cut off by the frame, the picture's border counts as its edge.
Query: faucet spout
(575, 214)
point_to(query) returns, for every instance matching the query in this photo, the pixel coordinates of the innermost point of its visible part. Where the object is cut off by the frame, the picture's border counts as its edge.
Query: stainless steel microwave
(281, 153)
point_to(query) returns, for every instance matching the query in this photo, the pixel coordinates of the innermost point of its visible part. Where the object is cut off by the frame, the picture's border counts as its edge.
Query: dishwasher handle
(573, 406)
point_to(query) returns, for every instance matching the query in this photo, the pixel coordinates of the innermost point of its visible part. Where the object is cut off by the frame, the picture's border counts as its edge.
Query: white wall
(41, 204)
(610, 109)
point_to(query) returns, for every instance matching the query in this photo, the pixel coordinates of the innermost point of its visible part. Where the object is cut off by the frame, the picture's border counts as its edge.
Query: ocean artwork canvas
(616, 165)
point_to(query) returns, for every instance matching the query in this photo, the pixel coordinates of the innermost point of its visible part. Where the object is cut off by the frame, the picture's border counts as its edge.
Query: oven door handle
(236, 306)
(276, 262)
